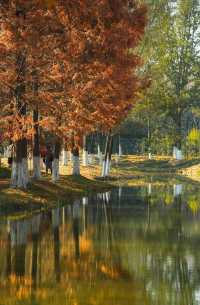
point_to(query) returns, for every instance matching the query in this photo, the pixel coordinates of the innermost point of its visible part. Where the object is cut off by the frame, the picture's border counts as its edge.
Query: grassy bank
(128, 170)
(43, 194)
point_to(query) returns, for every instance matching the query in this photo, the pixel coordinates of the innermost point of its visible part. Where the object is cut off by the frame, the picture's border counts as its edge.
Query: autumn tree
(80, 76)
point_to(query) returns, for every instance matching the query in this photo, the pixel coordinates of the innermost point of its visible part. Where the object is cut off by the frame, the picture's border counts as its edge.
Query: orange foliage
(80, 51)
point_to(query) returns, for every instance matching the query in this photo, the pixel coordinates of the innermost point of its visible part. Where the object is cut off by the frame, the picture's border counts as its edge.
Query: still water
(129, 246)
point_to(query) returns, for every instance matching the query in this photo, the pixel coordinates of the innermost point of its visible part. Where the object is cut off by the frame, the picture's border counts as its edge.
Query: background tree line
(169, 109)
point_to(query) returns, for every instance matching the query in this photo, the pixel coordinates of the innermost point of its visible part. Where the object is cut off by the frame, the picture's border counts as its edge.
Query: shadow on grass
(5, 172)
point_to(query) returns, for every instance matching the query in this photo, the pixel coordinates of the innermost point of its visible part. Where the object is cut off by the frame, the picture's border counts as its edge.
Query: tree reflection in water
(128, 246)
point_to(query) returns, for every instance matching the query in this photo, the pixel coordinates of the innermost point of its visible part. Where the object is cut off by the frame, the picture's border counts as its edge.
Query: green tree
(172, 58)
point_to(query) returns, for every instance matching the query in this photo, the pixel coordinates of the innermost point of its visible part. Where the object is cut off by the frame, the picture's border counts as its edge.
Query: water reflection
(128, 246)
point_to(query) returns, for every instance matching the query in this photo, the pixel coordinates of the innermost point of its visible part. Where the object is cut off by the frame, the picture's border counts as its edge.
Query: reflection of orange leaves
(85, 244)
(109, 271)
(23, 292)
(15, 280)
(21, 286)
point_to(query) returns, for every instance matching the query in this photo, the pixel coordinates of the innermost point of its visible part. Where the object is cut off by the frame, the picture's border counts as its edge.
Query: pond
(130, 246)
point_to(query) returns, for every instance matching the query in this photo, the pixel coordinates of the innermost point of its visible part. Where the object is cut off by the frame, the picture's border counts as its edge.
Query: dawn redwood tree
(13, 60)
(28, 31)
(93, 67)
(80, 76)
(104, 82)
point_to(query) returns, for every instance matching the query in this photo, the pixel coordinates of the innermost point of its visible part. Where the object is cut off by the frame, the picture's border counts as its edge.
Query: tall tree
(86, 76)
(172, 56)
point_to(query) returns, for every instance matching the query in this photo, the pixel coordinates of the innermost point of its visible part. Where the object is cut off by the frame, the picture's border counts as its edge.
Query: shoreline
(129, 170)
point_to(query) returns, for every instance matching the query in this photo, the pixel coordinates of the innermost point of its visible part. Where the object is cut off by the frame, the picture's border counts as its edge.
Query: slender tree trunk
(85, 152)
(55, 164)
(177, 149)
(36, 147)
(99, 152)
(108, 163)
(36, 144)
(106, 156)
(120, 147)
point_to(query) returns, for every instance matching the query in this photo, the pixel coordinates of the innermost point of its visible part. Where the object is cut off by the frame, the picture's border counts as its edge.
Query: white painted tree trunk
(107, 197)
(55, 170)
(120, 150)
(103, 168)
(85, 157)
(149, 189)
(36, 168)
(108, 167)
(99, 153)
(20, 176)
(177, 153)
(85, 200)
(149, 156)
(76, 166)
(178, 188)
(64, 157)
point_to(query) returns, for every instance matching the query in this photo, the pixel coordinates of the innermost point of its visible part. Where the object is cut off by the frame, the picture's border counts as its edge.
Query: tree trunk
(120, 147)
(55, 163)
(99, 151)
(177, 149)
(106, 163)
(36, 144)
(75, 162)
(36, 147)
(85, 152)
(105, 157)
(20, 177)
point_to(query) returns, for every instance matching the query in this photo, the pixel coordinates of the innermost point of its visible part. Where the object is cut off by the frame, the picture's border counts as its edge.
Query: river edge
(128, 170)
(43, 194)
